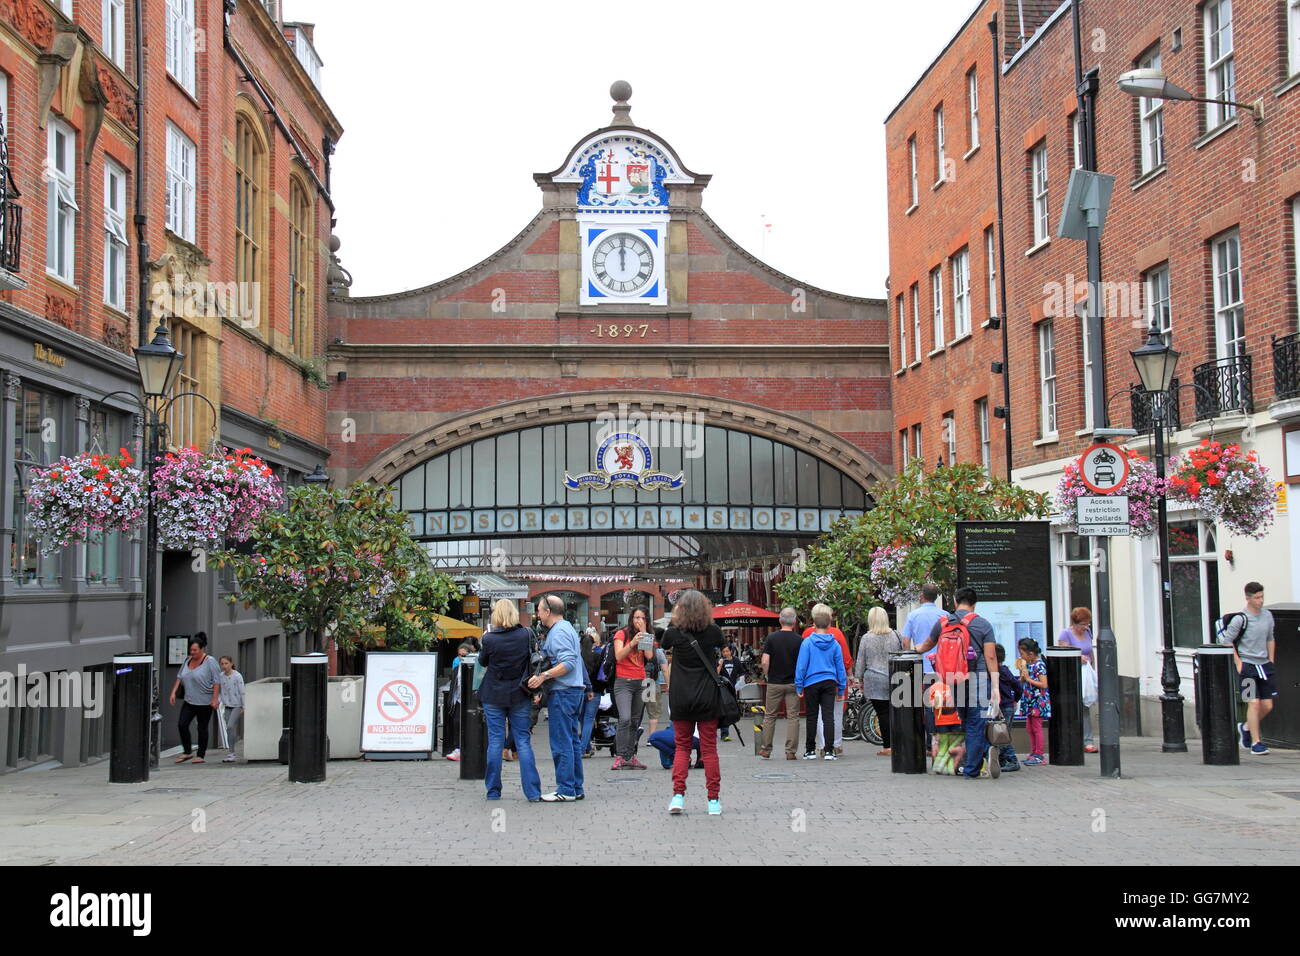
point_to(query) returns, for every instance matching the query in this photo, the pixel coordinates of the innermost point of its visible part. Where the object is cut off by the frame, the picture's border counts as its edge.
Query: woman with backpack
(872, 668)
(505, 655)
(693, 700)
(629, 676)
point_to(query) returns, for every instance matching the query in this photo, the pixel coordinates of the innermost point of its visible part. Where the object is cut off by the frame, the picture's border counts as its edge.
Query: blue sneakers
(1258, 749)
(677, 804)
(1245, 734)
(715, 808)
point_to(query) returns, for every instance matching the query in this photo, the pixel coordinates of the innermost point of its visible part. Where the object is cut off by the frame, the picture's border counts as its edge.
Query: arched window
(250, 173)
(300, 263)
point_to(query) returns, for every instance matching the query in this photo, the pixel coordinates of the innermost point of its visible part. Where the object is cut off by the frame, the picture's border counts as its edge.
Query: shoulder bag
(728, 703)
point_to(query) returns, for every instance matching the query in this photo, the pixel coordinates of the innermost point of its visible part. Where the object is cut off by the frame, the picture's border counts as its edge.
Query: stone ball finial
(621, 90)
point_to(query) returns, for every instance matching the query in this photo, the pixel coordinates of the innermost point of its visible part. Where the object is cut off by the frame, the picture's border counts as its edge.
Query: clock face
(622, 263)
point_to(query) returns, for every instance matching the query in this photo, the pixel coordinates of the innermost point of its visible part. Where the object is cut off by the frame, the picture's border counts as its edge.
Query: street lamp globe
(1155, 362)
(317, 479)
(159, 364)
(1152, 84)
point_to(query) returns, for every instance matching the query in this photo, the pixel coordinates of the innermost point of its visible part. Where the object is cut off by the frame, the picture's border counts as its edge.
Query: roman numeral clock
(623, 261)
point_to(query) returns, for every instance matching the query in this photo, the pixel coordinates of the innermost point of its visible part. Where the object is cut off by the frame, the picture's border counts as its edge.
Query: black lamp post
(159, 364)
(317, 479)
(1155, 363)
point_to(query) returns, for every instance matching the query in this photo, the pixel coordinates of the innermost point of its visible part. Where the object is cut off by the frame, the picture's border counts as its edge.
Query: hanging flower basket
(1229, 485)
(82, 498)
(1143, 489)
(203, 498)
(888, 570)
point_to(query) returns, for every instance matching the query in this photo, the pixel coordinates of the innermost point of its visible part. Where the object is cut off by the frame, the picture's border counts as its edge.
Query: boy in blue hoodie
(819, 678)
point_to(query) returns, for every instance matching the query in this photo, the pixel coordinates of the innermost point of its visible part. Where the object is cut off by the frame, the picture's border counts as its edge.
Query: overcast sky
(449, 108)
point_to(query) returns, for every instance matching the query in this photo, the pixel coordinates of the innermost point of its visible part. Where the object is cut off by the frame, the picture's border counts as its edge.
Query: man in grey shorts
(1254, 651)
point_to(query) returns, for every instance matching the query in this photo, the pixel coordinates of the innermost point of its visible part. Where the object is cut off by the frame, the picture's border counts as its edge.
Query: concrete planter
(264, 717)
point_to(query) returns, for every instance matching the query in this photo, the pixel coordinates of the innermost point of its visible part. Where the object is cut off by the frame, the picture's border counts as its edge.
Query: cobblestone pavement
(1168, 809)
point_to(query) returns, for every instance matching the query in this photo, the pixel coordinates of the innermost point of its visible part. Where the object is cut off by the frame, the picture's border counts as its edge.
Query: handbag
(1088, 689)
(537, 662)
(728, 703)
(997, 732)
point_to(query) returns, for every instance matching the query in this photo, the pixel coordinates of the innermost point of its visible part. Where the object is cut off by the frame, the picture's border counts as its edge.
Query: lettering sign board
(1104, 515)
(400, 706)
(1009, 564)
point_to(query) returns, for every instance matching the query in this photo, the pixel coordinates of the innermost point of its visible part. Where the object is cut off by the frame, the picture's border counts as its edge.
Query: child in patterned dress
(1036, 704)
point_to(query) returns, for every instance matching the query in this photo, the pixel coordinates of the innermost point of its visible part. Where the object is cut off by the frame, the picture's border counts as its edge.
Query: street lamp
(1155, 362)
(317, 479)
(1153, 84)
(159, 364)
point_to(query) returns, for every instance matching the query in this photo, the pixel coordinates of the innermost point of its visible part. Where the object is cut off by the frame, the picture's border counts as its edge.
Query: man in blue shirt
(921, 622)
(567, 693)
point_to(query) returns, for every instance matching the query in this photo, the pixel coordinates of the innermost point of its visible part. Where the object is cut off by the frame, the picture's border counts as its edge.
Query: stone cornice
(458, 351)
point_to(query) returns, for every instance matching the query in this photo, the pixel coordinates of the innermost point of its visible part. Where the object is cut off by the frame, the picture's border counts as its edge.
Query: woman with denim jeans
(505, 655)
(629, 680)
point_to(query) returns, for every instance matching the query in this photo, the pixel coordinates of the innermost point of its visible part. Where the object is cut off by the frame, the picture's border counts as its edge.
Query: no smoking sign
(1103, 468)
(398, 700)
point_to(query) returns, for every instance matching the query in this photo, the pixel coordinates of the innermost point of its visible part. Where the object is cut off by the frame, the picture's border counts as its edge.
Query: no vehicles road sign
(398, 700)
(1103, 468)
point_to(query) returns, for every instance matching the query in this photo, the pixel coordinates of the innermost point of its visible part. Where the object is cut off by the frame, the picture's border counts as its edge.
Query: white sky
(449, 108)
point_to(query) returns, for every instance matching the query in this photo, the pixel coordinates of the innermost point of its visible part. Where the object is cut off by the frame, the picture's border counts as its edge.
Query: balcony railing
(11, 234)
(1144, 408)
(1286, 367)
(1224, 386)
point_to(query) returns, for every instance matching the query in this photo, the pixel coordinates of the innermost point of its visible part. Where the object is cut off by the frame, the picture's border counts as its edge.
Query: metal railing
(11, 232)
(1223, 386)
(1144, 408)
(1286, 367)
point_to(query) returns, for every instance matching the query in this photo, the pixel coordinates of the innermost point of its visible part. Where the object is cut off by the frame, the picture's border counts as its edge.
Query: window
(65, 7)
(1229, 313)
(916, 320)
(939, 158)
(1076, 138)
(307, 56)
(950, 436)
(991, 269)
(982, 424)
(936, 303)
(107, 430)
(1293, 36)
(1220, 67)
(911, 158)
(1151, 117)
(1047, 379)
(1078, 572)
(38, 439)
(1295, 235)
(249, 174)
(300, 233)
(973, 109)
(1193, 580)
(180, 42)
(1156, 287)
(61, 207)
(113, 14)
(901, 309)
(902, 447)
(1085, 349)
(1039, 163)
(187, 416)
(180, 183)
(961, 293)
(916, 444)
(115, 235)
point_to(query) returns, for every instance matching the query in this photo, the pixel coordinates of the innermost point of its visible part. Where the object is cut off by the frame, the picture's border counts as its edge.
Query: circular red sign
(398, 700)
(1103, 468)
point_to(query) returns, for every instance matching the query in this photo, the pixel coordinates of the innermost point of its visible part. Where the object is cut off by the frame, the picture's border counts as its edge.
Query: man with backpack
(1254, 651)
(967, 662)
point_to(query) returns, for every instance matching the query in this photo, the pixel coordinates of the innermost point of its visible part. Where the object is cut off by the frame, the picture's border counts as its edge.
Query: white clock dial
(622, 263)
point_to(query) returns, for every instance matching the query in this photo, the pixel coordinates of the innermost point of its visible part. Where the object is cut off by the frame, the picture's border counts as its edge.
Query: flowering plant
(1230, 486)
(1143, 487)
(80, 498)
(202, 498)
(889, 576)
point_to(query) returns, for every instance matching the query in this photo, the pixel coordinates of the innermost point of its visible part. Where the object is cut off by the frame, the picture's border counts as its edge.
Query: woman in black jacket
(693, 694)
(505, 653)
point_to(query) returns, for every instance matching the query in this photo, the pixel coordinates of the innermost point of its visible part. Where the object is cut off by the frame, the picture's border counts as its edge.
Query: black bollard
(906, 713)
(308, 701)
(1216, 702)
(473, 732)
(128, 761)
(1065, 684)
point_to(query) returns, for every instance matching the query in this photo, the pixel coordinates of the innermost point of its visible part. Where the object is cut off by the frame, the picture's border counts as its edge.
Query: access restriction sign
(1103, 515)
(399, 713)
(1103, 468)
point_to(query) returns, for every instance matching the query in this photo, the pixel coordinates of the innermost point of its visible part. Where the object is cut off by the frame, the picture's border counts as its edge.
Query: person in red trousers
(693, 695)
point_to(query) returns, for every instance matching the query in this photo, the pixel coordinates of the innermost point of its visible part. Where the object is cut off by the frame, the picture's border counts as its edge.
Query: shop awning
(493, 587)
(453, 629)
(740, 614)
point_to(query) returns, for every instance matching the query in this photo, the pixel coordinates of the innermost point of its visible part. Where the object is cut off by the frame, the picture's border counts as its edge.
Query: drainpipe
(141, 219)
(1002, 244)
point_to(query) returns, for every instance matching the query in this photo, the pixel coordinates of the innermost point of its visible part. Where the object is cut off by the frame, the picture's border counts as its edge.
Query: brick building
(477, 395)
(175, 169)
(1201, 237)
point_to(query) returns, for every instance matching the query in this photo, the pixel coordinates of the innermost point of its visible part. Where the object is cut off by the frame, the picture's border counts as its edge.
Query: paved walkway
(1169, 809)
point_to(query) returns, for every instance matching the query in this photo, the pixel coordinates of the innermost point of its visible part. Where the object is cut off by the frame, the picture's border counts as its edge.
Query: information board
(400, 706)
(1009, 564)
(1104, 515)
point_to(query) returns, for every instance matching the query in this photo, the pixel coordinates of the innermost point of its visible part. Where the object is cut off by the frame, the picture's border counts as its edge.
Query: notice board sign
(400, 707)
(1009, 564)
(1103, 515)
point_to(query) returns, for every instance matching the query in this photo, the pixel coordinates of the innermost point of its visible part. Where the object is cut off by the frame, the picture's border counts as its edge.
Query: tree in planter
(340, 561)
(908, 538)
